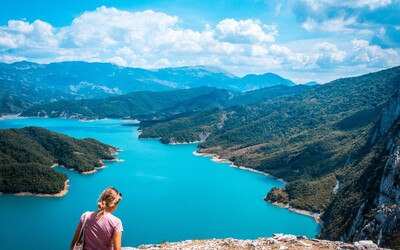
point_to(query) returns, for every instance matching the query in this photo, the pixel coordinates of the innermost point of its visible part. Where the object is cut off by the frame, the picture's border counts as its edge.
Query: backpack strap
(82, 233)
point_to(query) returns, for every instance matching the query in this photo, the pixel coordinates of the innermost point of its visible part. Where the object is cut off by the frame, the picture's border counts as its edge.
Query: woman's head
(108, 201)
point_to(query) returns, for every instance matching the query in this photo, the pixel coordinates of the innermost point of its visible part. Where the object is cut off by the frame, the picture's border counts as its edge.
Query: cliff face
(367, 206)
(384, 219)
(389, 115)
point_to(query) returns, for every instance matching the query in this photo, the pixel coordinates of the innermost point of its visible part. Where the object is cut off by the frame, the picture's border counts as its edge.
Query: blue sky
(303, 40)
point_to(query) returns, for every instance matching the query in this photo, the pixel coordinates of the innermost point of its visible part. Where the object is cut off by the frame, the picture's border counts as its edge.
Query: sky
(302, 40)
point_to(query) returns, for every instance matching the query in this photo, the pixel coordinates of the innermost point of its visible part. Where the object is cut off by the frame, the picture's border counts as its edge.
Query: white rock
(365, 245)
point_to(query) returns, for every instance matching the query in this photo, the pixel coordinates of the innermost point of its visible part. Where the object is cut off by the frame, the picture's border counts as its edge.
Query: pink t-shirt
(99, 233)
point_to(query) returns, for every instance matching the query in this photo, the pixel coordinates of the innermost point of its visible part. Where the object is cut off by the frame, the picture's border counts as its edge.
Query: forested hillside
(26, 156)
(160, 105)
(134, 104)
(366, 205)
(323, 142)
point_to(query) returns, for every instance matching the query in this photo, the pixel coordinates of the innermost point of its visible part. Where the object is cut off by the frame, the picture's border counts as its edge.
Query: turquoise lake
(169, 194)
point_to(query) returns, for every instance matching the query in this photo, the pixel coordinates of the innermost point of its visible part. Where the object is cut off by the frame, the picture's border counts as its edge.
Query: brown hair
(109, 198)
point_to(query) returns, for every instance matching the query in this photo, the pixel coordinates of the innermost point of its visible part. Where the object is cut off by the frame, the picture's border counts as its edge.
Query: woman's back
(99, 232)
(101, 229)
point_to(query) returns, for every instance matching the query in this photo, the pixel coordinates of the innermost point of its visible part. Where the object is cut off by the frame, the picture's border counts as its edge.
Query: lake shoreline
(4, 117)
(316, 216)
(216, 158)
(57, 195)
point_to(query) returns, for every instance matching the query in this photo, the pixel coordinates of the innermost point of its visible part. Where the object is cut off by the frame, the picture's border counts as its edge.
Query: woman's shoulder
(112, 217)
(87, 215)
(114, 222)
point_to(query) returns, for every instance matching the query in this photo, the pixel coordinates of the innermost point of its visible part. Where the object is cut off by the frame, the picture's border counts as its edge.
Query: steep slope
(185, 127)
(26, 156)
(372, 187)
(264, 94)
(200, 123)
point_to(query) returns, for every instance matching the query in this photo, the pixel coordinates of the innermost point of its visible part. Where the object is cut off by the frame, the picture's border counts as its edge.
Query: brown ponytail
(109, 198)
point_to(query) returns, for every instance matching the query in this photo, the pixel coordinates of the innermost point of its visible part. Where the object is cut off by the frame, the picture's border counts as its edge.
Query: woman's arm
(117, 239)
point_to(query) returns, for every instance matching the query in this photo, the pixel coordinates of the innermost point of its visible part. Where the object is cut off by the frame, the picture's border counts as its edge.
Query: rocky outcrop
(386, 217)
(389, 115)
(278, 241)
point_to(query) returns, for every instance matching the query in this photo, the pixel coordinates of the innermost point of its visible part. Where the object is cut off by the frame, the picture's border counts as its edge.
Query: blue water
(169, 194)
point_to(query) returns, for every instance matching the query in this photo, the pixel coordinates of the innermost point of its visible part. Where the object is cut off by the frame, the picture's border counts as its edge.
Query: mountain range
(24, 84)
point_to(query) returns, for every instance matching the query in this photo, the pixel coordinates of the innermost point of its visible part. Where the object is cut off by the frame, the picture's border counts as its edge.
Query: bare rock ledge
(278, 241)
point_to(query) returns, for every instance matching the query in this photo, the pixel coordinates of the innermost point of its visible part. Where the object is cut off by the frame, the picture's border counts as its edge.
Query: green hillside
(26, 156)
(134, 104)
(303, 137)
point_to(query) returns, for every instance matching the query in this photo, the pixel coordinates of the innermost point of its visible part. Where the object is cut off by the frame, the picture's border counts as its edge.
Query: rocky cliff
(367, 206)
(383, 220)
(278, 241)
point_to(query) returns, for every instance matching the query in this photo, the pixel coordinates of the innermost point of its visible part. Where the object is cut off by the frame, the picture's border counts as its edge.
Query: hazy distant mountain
(192, 77)
(311, 83)
(25, 83)
(253, 82)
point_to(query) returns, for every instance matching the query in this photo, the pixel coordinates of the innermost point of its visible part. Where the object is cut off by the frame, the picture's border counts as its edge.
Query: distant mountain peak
(253, 81)
(23, 65)
(198, 70)
(312, 83)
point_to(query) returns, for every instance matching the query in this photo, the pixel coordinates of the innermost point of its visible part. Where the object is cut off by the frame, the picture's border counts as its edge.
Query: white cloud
(330, 53)
(77, 54)
(310, 24)
(20, 34)
(294, 60)
(244, 31)
(317, 5)
(11, 59)
(117, 60)
(43, 34)
(109, 26)
(7, 41)
(364, 53)
(339, 24)
(20, 26)
(371, 4)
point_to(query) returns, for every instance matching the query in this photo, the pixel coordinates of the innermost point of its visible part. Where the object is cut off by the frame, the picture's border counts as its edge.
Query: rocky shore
(278, 241)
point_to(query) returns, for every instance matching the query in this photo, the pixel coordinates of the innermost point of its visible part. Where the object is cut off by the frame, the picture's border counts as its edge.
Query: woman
(102, 229)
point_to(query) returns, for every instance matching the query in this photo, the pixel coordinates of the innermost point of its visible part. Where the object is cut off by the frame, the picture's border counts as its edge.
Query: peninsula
(28, 154)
